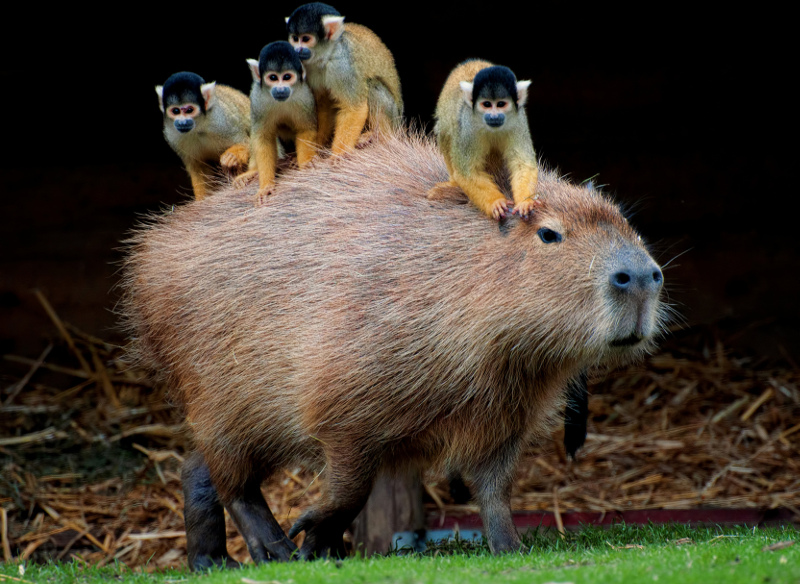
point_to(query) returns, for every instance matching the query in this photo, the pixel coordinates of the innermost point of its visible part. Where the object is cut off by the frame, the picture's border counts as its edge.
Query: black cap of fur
(496, 82)
(183, 87)
(308, 18)
(279, 56)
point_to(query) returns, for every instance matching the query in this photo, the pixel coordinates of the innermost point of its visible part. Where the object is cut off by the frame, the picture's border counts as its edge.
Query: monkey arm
(350, 122)
(199, 179)
(265, 156)
(483, 192)
(524, 178)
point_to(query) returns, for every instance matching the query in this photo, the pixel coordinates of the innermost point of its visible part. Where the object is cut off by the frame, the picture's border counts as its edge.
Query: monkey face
(183, 115)
(280, 83)
(303, 43)
(494, 111)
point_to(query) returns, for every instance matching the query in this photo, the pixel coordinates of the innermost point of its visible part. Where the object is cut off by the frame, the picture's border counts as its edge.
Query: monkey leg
(483, 192)
(199, 180)
(446, 191)
(350, 476)
(326, 119)
(203, 517)
(265, 156)
(235, 158)
(261, 532)
(350, 122)
(306, 147)
(384, 113)
(491, 481)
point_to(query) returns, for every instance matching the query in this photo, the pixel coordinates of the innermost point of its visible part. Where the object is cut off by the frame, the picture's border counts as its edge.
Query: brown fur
(351, 323)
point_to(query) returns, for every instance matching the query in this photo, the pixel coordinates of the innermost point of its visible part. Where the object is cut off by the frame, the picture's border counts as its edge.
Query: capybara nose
(634, 277)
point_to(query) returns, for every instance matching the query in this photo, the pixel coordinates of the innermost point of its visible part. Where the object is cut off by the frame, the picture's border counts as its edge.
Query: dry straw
(689, 428)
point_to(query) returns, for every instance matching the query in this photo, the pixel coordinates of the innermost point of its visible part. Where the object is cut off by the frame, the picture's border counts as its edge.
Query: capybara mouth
(628, 341)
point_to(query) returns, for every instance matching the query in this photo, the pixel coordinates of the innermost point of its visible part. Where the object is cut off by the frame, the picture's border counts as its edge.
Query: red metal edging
(528, 520)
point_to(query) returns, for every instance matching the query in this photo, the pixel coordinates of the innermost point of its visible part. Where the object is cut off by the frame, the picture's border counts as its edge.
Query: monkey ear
(466, 88)
(160, 92)
(209, 94)
(334, 27)
(254, 69)
(288, 18)
(522, 92)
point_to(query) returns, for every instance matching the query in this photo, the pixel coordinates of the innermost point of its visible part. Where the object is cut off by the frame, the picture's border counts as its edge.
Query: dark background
(684, 116)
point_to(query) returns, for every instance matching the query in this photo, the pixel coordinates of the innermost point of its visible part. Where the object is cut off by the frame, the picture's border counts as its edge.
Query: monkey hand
(235, 158)
(526, 208)
(365, 140)
(263, 194)
(245, 179)
(499, 209)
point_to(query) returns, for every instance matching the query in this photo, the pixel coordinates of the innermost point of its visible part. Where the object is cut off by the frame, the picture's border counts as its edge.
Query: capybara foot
(323, 536)
(205, 562)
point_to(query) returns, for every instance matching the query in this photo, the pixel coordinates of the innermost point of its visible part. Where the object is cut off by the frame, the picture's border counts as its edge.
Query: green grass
(624, 554)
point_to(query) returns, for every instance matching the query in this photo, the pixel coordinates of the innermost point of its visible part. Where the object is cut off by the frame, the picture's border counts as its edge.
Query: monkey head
(495, 93)
(278, 69)
(313, 29)
(184, 97)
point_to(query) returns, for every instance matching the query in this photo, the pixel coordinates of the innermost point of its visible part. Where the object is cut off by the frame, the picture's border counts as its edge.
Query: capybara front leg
(350, 476)
(261, 532)
(203, 516)
(492, 485)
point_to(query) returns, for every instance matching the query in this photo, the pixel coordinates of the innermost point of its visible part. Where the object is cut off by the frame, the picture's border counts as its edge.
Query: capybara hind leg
(349, 481)
(203, 516)
(261, 532)
(492, 481)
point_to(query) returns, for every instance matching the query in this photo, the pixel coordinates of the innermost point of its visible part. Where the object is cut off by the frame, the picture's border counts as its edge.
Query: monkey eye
(175, 111)
(306, 38)
(549, 236)
(287, 76)
(189, 109)
(501, 104)
(273, 77)
(487, 104)
(295, 38)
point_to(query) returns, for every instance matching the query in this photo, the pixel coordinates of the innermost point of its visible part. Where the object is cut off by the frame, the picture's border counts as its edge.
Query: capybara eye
(549, 236)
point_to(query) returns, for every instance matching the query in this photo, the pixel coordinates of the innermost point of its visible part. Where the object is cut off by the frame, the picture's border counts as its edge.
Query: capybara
(351, 325)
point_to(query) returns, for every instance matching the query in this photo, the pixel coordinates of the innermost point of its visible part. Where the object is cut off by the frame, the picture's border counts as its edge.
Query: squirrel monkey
(351, 73)
(282, 107)
(480, 120)
(206, 124)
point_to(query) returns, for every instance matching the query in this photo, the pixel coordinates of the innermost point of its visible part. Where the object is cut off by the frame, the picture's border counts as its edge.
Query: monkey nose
(184, 126)
(281, 93)
(494, 120)
(304, 53)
